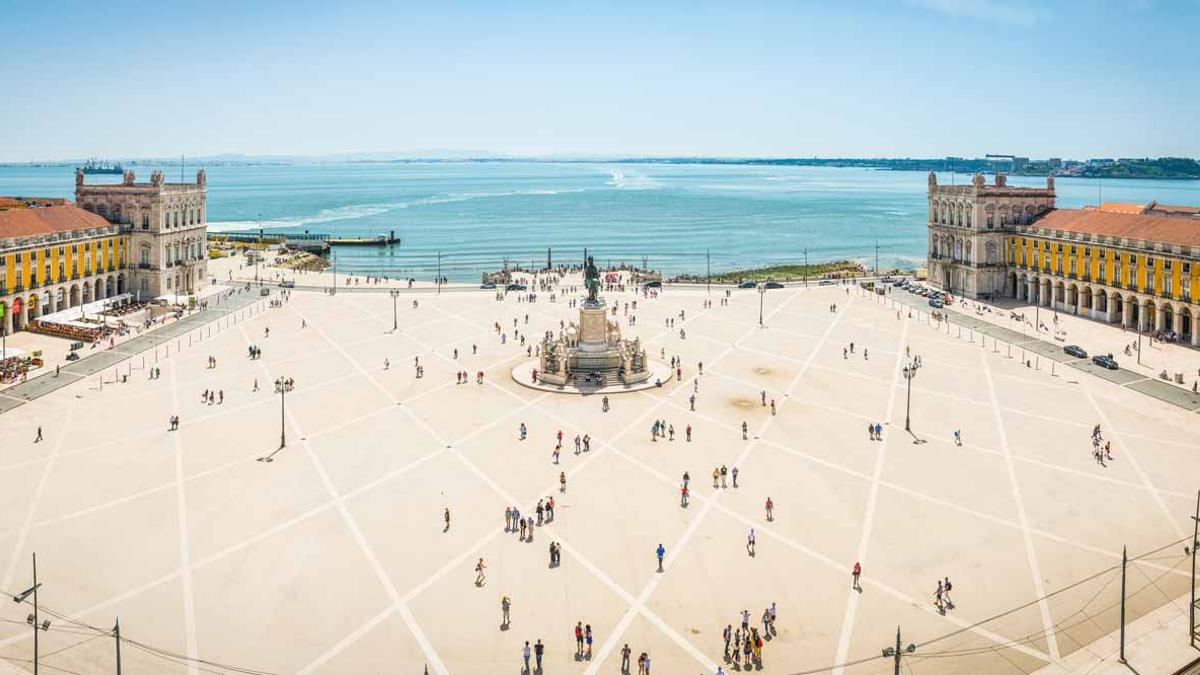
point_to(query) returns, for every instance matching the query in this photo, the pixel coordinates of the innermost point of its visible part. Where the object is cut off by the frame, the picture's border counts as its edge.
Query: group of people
(744, 645)
(1101, 449)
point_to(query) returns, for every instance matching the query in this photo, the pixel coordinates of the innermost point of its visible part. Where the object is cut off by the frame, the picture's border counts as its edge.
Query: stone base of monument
(656, 375)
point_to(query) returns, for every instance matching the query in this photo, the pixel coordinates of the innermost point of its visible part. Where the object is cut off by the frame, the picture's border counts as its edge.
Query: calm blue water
(479, 213)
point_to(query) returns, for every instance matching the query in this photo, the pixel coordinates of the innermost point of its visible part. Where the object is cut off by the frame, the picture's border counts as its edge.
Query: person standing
(538, 650)
(525, 656)
(479, 576)
(724, 474)
(505, 606)
(562, 481)
(855, 574)
(750, 542)
(770, 509)
(683, 495)
(587, 639)
(446, 516)
(727, 634)
(578, 640)
(734, 474)
(660, 552)
(625, 652)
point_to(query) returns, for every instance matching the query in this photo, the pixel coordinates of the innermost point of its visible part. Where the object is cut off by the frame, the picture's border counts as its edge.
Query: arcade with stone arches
(1111, 305)
(25, 307)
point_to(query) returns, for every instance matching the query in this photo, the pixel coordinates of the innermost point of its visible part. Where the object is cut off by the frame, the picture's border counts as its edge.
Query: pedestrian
(587, 638)
(770, 509)
(745, 431)
(604, 404)
(524, 431)
(538, 650)
(505, 606)
(683, 496)
(734, 473)
(521, 528)
(625, 652)
(508, 518)
(745, 620)
(727, 634)
(578, 640)
(724, 473)
(937, 598)
(716, 476)
(750, 542)
(688, 430)
(855, 574)
(946, 593)
(446, 517)
(958, 437)
(525, 656)
(660, 552)
(562, 481)
(479, 576)
(39, 435)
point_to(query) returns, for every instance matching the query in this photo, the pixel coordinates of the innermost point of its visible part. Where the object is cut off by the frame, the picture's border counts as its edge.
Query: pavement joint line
(185, 547)
(1031, 554)
(1127, 451)
(853, 595)
(26, 524)
(770, 531)
(350, 639)
(339, 501)
(934, 500)
(681, 543)
(458, 560)
(969, 446)
(637, 606)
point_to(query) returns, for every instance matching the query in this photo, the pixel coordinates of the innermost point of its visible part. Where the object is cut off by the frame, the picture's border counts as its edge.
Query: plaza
(334, 557)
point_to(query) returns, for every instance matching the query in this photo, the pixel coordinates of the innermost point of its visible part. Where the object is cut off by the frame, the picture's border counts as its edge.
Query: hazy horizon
(920, 78)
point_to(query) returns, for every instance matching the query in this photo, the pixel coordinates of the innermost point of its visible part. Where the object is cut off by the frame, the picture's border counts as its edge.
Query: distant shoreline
(1139, 169)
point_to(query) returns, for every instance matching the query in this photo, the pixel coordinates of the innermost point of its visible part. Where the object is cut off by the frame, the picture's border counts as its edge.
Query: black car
(1105, 361)
(1076, 351)
(772, 284)
(515, 287)
(747, 284)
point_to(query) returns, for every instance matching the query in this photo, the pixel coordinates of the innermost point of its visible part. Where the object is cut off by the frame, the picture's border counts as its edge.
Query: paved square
(333, 557)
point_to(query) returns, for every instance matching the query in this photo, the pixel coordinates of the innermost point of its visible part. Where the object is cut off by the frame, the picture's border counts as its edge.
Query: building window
(145, 255)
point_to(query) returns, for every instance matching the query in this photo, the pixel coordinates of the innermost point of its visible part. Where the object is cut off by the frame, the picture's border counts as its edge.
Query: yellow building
(1138, 265)
(1138, 269)
(55, 257)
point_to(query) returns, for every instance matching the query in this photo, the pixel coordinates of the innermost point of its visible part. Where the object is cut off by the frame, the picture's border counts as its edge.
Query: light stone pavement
(333, 559)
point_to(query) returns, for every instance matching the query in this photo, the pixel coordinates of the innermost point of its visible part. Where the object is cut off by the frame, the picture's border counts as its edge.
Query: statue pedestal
(593, 328)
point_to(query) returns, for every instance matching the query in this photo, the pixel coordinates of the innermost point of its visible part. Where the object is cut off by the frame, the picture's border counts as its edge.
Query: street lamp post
(762, 292)
(898, 651)
(395, 321)
(33, 619)
(910, 371)
(283, 385)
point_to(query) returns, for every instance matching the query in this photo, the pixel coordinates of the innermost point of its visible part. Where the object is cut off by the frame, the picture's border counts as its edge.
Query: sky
(900, 78)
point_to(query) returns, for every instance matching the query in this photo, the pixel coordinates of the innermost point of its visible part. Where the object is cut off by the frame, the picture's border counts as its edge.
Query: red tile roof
(34, 221)
(1167, 230)
(1121, 207)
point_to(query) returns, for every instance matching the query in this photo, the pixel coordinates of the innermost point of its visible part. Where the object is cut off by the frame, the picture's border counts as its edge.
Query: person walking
(446, 517)
(683, 495)
(855, 574)
(750, 542)
(479, 575)
(770, 509)
(562, 481)
(734, 473)
(716, 476)
(724, 473)
(625, 652)
(587, 639)
(578, 640)
(727, 634)
(505, 606)
(660, 552)
(538, 650)
(39, 435)
(946, 593)
(745, 430)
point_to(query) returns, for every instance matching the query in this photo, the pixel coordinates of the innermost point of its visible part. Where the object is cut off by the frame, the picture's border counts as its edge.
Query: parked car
(287, 283)
(827, 282)
(1076, 351)
(772, 284)
(747, 284)
(515, 287)
(488, 285)
(1105, 361)
(936, 303)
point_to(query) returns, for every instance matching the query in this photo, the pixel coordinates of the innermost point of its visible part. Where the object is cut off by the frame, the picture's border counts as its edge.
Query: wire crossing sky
(921, 78)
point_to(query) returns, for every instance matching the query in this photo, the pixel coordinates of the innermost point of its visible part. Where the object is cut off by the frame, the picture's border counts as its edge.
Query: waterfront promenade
(334, 557)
